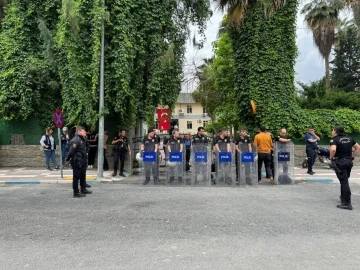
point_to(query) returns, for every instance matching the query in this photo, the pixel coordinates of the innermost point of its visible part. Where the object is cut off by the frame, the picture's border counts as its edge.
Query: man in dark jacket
(78, 153)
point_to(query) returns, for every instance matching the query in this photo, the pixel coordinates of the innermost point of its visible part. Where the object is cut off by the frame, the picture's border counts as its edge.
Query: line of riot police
(225, 162)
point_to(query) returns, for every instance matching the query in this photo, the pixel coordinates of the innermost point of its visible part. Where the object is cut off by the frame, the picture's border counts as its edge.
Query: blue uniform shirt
(312, 145)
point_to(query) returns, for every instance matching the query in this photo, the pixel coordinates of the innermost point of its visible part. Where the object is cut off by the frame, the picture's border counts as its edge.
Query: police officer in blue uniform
(341, 153)
(78, 153)
(311, 140)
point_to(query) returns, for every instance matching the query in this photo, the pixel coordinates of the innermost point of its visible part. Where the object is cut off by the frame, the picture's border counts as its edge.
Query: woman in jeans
(48, 143)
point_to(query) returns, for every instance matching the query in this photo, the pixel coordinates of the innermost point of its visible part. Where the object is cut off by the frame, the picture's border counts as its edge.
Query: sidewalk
(42, 176)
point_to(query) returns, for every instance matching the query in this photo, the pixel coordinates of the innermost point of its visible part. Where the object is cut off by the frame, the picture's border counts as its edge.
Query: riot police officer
(222, 144)
(121, 148)
(341, 153)
(175, 144)
(243, 144)
(200, 141)
(78, 154)
(150, 144)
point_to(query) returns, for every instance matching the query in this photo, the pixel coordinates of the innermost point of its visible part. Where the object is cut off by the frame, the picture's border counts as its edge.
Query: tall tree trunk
(356, 13)
(327, 74)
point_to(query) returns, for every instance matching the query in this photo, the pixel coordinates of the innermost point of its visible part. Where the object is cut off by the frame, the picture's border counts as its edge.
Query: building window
(189, 124)
(204, 110)
(205, 123)
(189, 109)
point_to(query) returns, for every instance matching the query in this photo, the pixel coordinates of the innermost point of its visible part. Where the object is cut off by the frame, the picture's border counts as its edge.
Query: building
(188, 115)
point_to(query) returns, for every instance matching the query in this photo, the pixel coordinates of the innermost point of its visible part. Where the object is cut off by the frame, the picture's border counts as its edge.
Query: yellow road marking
(90, 177)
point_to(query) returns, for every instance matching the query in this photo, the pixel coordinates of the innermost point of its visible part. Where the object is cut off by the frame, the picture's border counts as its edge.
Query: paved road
(124, 226)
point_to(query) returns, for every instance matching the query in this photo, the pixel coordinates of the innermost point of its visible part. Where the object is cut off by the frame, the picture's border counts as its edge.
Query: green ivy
(28, 83)
(51, 52)
(265, 53)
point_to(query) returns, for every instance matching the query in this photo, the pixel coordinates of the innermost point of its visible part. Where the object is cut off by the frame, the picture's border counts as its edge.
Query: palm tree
(354, 5)
(322, 19)
(237, 8)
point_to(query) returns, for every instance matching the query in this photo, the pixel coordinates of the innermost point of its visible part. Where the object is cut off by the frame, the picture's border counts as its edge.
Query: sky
(309, 64)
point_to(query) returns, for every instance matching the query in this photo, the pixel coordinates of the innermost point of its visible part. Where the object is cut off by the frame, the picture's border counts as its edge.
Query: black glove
(67, 158)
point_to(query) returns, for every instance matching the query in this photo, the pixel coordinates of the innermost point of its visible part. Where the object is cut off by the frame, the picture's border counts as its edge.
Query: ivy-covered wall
(33, 132)
(265, 53)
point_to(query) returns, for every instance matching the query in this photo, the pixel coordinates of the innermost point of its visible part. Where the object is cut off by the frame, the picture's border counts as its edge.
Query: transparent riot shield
(247, 165)
(283, 163)
(201, 165)
(223, 167)
(150, 166)
(175, 169)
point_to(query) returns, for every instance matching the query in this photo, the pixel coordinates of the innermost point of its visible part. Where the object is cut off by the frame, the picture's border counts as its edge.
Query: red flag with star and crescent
(164, 119)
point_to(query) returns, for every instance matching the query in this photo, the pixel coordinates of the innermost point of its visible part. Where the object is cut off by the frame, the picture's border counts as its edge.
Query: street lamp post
(101, 105)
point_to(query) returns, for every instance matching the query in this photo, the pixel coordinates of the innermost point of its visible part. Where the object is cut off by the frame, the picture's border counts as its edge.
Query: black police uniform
(200, 143)
(149, 146)
(93, 148)
(78, 153)
(281, 147)
(178, 169)
(120, 149)
(223, 170)
(243, 144)
(343, 159)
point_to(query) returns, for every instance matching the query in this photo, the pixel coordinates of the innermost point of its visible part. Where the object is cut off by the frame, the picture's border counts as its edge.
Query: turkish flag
(164, 117)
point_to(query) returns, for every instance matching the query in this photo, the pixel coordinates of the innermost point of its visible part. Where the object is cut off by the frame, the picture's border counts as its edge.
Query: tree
(322, 18)
(346, 64)
(50, 56)
(28, 85)
(263, 40)
(207, 94)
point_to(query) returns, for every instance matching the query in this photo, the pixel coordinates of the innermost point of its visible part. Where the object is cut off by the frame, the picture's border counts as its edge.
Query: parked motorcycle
(322, 155)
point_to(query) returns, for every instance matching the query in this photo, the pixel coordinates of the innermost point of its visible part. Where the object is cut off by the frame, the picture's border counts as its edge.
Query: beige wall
(183, 125)
(196, 117)
(197, 109)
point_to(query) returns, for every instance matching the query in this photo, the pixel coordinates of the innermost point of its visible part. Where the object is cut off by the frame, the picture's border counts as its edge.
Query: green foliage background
(256, 62)
(50, 57)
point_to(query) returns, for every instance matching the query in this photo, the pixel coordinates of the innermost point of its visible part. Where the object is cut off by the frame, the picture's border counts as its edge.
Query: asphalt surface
(123, 226)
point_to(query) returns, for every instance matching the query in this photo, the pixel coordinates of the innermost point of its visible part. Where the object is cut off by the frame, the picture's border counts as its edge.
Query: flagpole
(101, 104)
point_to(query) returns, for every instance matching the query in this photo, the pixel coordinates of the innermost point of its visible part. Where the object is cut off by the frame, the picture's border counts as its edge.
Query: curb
(322, 180)
(31, 182)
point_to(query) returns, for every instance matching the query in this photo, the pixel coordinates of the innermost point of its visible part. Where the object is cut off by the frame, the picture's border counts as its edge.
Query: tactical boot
(346, 206)
(180, 179)
(79, 195)
(86, 191)
(147, 180)
(156, 180)
(248, 181)
(171, 179)
(87, 185)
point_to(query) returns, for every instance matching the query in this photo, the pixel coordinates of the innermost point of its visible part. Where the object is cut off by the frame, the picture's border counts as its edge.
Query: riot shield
(247, 165)
(223, 167)
(201, 165)
(283, 163)
(175, 169)
(150, 166)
